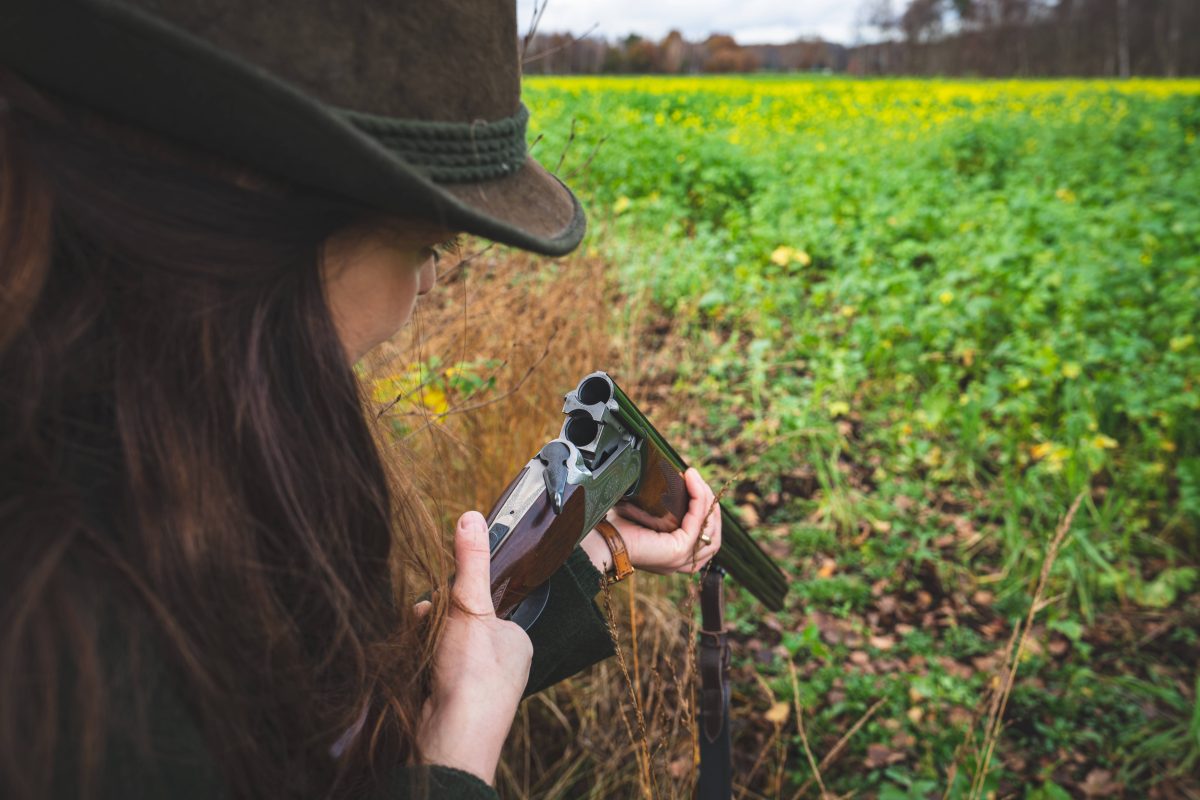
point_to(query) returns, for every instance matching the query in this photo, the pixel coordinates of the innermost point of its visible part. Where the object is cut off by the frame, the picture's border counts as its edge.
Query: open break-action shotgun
(607, 455)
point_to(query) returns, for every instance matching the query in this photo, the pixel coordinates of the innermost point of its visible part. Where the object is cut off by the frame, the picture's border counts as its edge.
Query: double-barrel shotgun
(606, 456)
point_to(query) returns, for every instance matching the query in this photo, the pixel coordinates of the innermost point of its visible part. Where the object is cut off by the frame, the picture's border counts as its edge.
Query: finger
(713, 510)
(473, 564)
(697, 507)
(710, 512)
(699, 559)
(713, 523)
(422, 608)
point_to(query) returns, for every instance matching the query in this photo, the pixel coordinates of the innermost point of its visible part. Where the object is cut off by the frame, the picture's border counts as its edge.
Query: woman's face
(373, 276)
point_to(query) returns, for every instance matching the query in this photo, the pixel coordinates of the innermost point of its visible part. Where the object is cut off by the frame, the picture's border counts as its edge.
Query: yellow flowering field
(921, 319)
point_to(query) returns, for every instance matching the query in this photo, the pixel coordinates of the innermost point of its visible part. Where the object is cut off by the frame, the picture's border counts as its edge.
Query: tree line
(991, 38)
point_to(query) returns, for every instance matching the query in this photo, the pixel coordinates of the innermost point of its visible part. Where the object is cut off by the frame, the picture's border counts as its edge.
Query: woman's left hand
(680, 550)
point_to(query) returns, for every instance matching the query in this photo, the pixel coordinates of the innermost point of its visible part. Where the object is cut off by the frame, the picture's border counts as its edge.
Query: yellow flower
(1070, 370)
(946, 298)
(1041, 450)
(1050, 454)
(783, 255)
(434, 400)
(839, 408)
(622, 205)
(1104, 442)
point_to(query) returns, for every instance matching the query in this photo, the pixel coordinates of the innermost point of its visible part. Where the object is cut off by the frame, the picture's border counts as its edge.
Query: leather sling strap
(716, 762)
(616, 545)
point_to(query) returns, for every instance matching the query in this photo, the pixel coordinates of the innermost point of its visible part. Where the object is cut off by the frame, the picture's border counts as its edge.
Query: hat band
(450, 152)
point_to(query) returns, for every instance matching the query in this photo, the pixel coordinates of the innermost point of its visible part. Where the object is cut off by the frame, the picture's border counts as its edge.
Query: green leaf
(1047, 791)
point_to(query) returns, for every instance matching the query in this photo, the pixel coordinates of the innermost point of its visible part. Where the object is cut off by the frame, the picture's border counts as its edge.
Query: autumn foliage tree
(991, 38)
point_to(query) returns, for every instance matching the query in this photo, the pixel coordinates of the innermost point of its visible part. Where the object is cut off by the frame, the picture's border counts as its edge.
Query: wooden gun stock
(536, 546)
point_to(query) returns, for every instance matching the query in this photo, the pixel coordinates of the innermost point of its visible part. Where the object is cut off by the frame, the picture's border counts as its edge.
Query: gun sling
(716, 766)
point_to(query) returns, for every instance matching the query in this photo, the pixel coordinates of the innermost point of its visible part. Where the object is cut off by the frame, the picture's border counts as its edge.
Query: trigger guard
(526, 612)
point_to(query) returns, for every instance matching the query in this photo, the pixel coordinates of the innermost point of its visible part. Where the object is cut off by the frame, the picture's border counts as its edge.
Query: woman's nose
(428, 276)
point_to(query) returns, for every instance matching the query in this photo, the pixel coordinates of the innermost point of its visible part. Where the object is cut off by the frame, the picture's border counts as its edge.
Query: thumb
(422, 608)
(473, 560)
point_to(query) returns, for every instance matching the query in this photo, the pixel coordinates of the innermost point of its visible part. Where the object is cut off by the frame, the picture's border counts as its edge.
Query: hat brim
(143, 70)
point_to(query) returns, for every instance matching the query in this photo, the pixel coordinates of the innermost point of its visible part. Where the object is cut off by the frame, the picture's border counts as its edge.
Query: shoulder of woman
(433, 781)
(150, 742)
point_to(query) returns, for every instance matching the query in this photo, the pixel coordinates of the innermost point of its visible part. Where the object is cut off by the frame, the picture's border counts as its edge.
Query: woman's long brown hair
(188, 474)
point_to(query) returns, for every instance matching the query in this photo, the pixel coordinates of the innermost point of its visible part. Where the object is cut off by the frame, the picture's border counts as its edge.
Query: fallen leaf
(952, 667)
(880, 756)
(883, 642)
(985, 663)
(1099, 783)
(960, 717)
(778, 712)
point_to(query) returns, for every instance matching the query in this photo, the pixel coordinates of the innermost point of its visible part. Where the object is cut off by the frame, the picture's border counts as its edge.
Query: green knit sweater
(570, 635)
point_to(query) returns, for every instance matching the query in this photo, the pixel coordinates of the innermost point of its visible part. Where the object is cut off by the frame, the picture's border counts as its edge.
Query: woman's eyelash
(450, 246)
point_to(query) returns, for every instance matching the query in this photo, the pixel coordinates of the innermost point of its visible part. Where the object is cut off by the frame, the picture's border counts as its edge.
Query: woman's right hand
(480, 668)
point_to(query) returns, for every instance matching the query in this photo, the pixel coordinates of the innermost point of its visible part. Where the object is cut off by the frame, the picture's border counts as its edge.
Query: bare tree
(1123, 38)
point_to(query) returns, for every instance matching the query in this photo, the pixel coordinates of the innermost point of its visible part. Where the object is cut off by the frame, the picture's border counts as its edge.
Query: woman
(208, 567)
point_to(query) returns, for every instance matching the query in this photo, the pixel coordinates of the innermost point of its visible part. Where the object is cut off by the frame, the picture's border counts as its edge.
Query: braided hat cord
(450, 152)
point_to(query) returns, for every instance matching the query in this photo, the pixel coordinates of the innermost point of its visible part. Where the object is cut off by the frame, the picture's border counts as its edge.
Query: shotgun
(607, 455)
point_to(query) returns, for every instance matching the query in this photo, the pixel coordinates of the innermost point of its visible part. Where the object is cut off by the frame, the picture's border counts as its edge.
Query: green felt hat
(411, 107)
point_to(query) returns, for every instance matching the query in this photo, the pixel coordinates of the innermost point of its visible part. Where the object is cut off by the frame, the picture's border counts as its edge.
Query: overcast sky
(749, 21)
